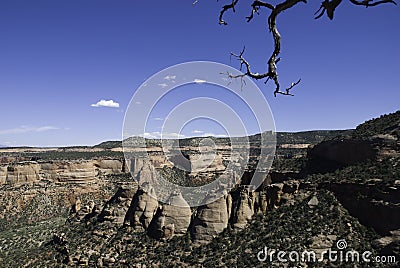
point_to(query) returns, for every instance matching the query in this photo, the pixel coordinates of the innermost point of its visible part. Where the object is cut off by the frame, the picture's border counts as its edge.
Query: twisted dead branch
(328, 6)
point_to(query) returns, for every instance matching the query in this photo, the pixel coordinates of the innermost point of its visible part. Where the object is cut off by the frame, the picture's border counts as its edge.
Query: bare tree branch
(274, 59)
(328, 6)
(226, 8)
(371, 3)
(256, 6)
(289, 88)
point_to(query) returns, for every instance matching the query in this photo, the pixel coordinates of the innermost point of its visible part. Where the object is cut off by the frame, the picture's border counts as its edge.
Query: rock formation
(210, 220)
(77, 171)
(172, 218)
(21, 173)
(116, 209)
(109, 166)
(142, 208)
(333, 154)
(243, 207)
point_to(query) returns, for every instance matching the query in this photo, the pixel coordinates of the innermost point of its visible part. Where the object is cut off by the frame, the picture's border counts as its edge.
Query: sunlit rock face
(210, 220)
(21, 173)
(109, 166)
(172, 218)
(142, 208)
(77, 171)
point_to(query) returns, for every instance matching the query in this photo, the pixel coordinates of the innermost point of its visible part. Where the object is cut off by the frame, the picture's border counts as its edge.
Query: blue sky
(59, 58)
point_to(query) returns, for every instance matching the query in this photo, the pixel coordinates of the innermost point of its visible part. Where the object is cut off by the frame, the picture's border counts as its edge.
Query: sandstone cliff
(78, 171)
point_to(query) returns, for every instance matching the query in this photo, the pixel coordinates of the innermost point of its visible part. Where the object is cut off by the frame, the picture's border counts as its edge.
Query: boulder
(313, 202)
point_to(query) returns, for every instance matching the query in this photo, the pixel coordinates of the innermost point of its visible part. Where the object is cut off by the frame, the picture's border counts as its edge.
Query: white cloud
(106, 103)
(158, 119)
(47, 128)
(164, 135)
(163, 85)
(199, 81)
(138, 102)
(209, 134)
(170, 77)
(26, 129)
(197, 132)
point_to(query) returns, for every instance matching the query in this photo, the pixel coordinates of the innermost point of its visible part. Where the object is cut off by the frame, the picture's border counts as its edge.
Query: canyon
(88, 206)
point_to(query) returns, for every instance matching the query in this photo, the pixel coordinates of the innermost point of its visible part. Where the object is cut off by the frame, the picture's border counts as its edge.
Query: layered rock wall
(81, 171)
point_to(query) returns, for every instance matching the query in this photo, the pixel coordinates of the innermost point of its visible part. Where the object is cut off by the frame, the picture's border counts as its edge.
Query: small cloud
(163, 135)
(170, 77)
(163, 85)
(106, 103)
(172, 136)
(138, 102)
(158, 119)
(209, 134)
(197, 132)
(199, 81)
(41, 129)
(26, 129)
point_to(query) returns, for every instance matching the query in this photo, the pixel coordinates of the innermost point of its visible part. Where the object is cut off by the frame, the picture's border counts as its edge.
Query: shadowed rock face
(374, 207)
(333, 154)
